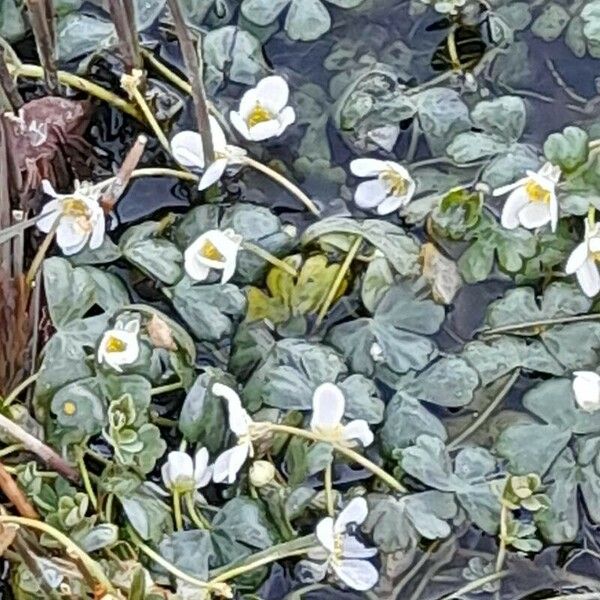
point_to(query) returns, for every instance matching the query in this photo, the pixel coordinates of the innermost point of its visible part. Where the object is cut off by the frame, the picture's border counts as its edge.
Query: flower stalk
(177, 510)
(276, 262)
(85, 477)
(195, 515)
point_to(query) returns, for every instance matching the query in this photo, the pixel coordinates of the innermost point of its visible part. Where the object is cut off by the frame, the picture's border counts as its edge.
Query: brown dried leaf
(8, 532)
(441, 273)
(160, 334)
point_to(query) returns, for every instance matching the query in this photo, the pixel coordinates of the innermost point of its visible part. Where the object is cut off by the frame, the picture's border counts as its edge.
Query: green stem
(85, 477)
(503, 536)
(347, 452)
(22, 386)
(536, 324)
(592, 216)
(475, 585)
(329, 490)
(466, 433)
(283, 181)
(177, 511)
(153, 172)
(339, 278)
(276, 262)
(92, 567)
(295, 547)
(10, 449)
(165, 389)
(197, 517)
(36, 263)
(108, 507)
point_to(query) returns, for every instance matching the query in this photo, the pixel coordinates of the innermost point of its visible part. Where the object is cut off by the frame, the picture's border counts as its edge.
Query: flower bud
(262, 473)
(586, 387)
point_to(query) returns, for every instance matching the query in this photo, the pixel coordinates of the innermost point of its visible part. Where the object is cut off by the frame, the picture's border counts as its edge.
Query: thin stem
(92, 567)
(177, 510)
(503, 537)
(36, 263)
(79, 83)
(466, 433)
(85, 477)
(122, 15)
(165, 389)
(42, 23)
(329, 490)
(197, 517)
(130, 83)
(348, 452)
(591, 216)
(337, 282)
(295, 547)
(22, 386)
(220, 588)
(10, 449)
(153, 172)
(582, 596)
(536, 324)
(276, 262)
(108, 507)
(15, 494)
(475, 585)
(286, 183)
(164, 70)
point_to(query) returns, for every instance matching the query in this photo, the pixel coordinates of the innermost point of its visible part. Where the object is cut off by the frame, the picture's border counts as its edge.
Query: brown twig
(122, 13)
(118, 185)
(32, 444)
(194, 66)
(42, 23)
(8, 85)
(14, 493)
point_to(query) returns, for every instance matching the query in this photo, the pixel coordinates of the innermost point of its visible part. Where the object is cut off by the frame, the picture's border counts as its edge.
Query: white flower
(81, 217)
(328, 409)
(263, 110)
(120, 346)
(214, 249)
(389, 188)
(582, 261)
(343, 553)
(187, 150)
(532, 201)
(376, 352)
(586, 387)
(228, 464)
(262, 472)
(183, 475)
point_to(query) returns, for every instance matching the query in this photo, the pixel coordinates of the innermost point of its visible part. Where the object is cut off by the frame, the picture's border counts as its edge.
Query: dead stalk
(41, 15)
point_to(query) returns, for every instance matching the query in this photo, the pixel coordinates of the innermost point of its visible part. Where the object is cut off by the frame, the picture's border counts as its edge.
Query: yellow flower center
(210, 251)
(74, 207)
(394, 182)
(536, 193)
(69, 408)
(338, 548)
(114, 344)
(259, 114)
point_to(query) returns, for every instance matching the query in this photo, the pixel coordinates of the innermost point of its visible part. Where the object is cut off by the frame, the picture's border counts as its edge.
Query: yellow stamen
(338, 548)
(259, 114)
(395, 183)
(536, 193)
(69, 408)
(210, 251)
(74, 207)
(114, 344)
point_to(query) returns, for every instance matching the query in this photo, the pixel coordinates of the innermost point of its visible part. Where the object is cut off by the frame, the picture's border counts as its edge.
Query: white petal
(218, 137)
(239, 420)
(510, 187)
(354, 548)
(359, 575)
(180, 466)
(228, 464)
(553, 205)
(358, 430)
(401, 170)
(98, 230)
(588, 278)
(513, 205)
(238, 122)
(187, 149)
(586, 387)
(328, 406)
(356, 512)
(49, 189)
(201, 467)
(577, 258)
(286, 118)
(594, 244)
(264, 131)
(166, 474)
(324, 531)
(534, 215)
(213, 173)
(391, 204)
(50, 212)
(195, 269)
(370, 193)
(273, 93)
(367, 167)
(248, 102)
(69, 239)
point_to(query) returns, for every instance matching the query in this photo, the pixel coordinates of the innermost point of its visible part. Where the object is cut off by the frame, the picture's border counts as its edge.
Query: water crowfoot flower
(342, 552)
(586, 387)
(582, 261)
(120, 346)
(214, 249)
(532, 201)
(328, 409)
(263, 111)
(187, 149)
(228, 463)
(81, 219)
(183, 475)
(389, 188)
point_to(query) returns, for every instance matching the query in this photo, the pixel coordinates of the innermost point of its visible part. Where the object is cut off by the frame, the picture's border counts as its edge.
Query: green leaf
(80, 406)
(263, 12)
(98, 537)
(191, 551)
(110, 292)
(208, 309)
(474, 145)
(568, 149)
(429, 462)
(79, 34)
(148, 515)
(398, 325)
(502, 117)
(307, 20)
(551, 22)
